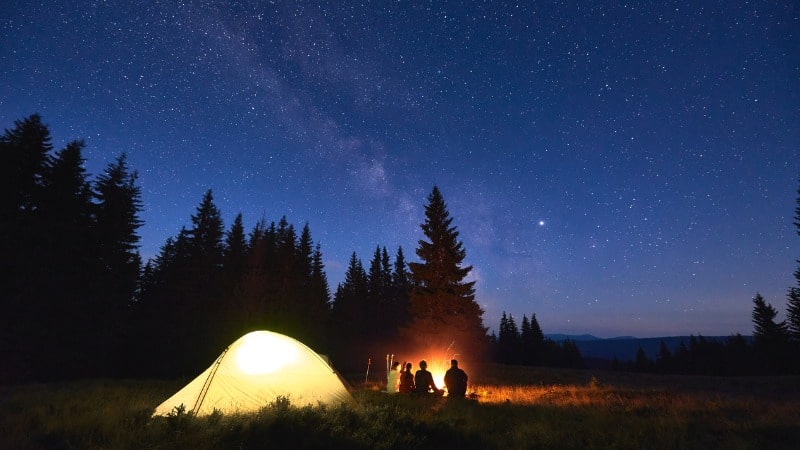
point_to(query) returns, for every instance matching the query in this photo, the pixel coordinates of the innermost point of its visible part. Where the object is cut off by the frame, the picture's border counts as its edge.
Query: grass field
(513, 407)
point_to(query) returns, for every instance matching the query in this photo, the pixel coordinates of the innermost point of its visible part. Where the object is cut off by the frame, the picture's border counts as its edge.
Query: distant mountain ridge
(624, 348)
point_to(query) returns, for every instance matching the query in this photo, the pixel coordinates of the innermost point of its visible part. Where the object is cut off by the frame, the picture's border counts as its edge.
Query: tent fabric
(253, 372)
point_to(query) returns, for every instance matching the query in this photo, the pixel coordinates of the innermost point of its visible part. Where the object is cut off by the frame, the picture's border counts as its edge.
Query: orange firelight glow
(437, 366)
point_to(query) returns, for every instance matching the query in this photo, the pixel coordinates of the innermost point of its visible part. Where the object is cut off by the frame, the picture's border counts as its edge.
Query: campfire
(437, 365)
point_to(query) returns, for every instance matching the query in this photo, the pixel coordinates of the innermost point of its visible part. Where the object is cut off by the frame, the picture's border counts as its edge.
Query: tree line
(773, 349)
(527, 345)
(78, 301)
(70, 261)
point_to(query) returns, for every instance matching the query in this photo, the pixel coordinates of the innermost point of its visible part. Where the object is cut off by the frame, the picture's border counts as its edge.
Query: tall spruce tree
(249, 300)
(321, 302)
(116, 249)
(206, 239)
(400, 290)
(310, 314)
(508, 340)
(771, 337)
(66, 209)
(534, 343)
(63, 234)
(765, 328)
(201, 289)
(234, 252)
(793, 297)
(444, 313)
(350, 299)
(349, 322)
(286, 269)
(379, 281)
(117, 209)
(526, 341)
(320, 279)
(793, 314)
(536, 330)
(24, 150)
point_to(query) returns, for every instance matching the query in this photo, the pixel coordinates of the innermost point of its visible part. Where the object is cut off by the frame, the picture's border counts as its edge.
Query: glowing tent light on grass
(254, 371)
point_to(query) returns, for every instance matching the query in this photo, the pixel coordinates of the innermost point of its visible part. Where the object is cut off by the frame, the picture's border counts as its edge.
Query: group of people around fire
(401, 380)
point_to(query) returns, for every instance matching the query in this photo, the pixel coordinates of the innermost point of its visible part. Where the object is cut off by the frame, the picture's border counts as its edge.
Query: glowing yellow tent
(254, 371)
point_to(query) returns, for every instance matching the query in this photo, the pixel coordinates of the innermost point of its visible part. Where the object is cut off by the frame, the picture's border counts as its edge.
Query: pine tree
(793, 300)
(167, 313)
(532, 341)
(536, 330)
(348, 315)
(320, 278)
(66, 200)
(305, 254)
(66, 208)
(765, 328)
(24, 150)
(400, 290)
(255, 286)
(380, 310)
(201, 290)
(386, 270)
(312, 305)
(526, 342)
(500, 349)
(62, 228)
(793, 314)
(234, 264)
(116, 251)
(287, 277)
(442, 304)
(350, 301)
(512, 341)
(320, 291)
(205, 240)
(116, 232)
(508, 340)
(771, 337)
(248, 303)
(235, 252)
(376, 296)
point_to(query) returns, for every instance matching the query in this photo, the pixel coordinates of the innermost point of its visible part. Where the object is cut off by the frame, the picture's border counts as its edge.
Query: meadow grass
(510, 407)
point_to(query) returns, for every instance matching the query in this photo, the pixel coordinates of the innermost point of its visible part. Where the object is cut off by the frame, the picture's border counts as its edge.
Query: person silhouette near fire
(393, 379)
(406, 380)
(455, 380)
(424, 381)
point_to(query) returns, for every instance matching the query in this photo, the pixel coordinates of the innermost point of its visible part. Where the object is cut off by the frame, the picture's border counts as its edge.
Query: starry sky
(616, 168)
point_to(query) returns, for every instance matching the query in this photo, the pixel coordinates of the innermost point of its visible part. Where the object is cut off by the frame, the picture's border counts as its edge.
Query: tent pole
(207, 384)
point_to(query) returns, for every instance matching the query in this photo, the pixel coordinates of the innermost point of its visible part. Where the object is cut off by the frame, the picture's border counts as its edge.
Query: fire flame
(437, 366)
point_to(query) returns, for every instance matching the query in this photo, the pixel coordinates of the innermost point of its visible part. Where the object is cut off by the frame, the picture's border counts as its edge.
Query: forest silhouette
(79, 302)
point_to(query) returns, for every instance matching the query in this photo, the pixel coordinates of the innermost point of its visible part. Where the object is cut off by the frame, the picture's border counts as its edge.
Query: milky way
(615, 169)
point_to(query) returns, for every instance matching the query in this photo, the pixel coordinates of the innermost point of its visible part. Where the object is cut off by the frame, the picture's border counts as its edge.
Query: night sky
(615, 168)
